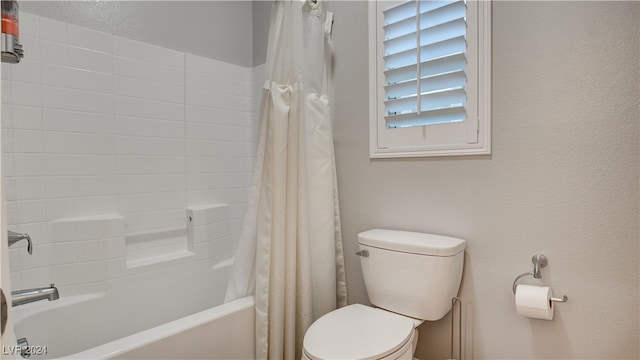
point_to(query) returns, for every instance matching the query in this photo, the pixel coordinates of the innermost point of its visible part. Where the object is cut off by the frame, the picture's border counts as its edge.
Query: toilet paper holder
(539, 261)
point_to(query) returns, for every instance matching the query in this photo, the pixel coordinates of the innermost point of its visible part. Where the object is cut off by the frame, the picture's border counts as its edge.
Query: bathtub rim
(23, 313)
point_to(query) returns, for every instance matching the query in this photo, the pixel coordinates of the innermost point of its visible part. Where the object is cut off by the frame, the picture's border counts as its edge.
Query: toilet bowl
(410, 277)
(361, 332)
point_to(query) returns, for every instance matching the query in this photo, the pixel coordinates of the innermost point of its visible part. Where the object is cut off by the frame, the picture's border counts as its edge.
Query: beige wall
(562, 180)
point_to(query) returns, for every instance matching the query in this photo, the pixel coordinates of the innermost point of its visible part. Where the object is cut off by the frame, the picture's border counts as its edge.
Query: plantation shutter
(425, 63)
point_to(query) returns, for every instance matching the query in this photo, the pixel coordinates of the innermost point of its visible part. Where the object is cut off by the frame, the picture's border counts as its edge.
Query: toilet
(410, 278)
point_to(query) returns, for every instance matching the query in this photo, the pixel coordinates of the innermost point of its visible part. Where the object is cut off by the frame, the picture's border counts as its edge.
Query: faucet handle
(15, 237)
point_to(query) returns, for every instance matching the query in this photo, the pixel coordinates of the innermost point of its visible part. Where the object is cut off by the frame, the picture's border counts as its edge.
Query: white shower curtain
(290, 248)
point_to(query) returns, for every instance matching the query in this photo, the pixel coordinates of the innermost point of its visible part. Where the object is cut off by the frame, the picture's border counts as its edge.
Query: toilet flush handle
(363, 253)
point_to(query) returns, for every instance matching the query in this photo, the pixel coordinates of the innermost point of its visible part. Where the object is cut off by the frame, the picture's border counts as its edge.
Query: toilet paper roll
(534, 302)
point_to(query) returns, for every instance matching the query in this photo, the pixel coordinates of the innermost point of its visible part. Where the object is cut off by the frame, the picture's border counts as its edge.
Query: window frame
(442, 139)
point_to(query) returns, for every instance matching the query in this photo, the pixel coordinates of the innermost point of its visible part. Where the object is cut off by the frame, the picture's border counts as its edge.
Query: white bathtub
(157, 316)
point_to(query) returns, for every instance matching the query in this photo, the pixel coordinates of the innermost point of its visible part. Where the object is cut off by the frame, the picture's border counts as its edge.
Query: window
(429, 78)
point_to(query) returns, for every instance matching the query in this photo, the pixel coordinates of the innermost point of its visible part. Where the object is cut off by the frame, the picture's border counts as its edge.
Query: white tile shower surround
(100, 129)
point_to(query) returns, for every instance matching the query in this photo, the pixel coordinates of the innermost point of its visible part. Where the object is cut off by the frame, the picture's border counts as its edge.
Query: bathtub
(176, 315)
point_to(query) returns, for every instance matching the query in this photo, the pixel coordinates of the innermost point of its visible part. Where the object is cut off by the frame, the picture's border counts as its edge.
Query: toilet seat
(358, 332)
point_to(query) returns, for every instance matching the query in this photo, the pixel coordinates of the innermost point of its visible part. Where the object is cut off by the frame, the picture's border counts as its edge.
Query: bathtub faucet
(20, 297)
(14, 237)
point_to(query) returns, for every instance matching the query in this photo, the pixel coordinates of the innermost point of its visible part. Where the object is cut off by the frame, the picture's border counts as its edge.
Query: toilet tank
(410, 273)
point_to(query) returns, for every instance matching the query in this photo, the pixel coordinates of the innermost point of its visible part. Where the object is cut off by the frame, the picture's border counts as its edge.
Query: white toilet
(410, 277)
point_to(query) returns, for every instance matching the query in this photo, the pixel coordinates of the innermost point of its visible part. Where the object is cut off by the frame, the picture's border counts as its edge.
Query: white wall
(261, 20)
(197, 27)
(97, 125)
(562, 180)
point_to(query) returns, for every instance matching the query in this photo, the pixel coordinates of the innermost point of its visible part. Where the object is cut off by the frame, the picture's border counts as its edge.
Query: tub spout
(20, 297)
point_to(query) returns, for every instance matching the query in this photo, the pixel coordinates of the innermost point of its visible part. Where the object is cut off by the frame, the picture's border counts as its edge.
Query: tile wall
(96, 125)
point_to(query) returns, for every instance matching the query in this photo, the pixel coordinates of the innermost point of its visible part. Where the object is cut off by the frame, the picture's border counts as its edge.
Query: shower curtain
(290, 249)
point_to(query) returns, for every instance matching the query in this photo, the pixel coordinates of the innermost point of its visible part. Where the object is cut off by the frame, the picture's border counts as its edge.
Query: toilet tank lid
(412, 242)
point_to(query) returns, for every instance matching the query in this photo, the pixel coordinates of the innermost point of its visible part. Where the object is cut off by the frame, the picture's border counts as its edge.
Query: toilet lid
(357, 332)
